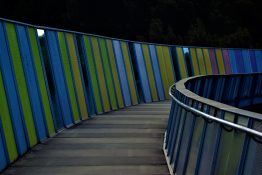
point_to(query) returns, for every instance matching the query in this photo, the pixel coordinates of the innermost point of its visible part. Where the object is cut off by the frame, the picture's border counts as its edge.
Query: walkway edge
(167, 158)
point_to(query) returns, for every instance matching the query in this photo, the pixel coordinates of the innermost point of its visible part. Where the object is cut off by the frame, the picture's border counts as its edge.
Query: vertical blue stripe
(233, 61)
(32, 85)
(247, 61)
(240, 63)
(45, 78)
(12, 96)
(253, 60)
(258, 54)
(92, 108)
(59, 77)
(91, 111)
(122, 72)
(157, 73)
(142, 73)
(52, 89)
(3, 151)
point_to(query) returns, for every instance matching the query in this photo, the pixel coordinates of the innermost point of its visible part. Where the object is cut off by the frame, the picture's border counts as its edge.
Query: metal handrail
(218, 120)
(180, 87)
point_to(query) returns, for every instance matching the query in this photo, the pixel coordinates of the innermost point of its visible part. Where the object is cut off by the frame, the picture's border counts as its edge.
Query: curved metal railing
(218, 120)
(208, 137)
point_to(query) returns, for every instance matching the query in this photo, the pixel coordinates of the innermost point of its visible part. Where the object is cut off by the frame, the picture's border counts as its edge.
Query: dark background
(225, 23)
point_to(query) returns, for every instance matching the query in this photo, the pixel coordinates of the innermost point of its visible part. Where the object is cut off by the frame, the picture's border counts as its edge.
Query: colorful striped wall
(53, 81)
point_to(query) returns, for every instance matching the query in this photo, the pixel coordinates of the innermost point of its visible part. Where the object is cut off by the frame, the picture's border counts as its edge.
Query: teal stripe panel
(122, 73)
(58, 76)
(11, 92)
(142, 73)
(32, 84)
(156, 68)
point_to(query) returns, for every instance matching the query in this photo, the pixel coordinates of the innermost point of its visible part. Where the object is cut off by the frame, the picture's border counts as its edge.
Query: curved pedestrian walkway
(128, 142)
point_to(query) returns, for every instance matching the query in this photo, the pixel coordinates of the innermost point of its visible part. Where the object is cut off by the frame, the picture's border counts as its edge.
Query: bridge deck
(128, 142)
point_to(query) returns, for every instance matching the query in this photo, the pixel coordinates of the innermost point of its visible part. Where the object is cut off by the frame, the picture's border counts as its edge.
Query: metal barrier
(208, 137)
(52, 79)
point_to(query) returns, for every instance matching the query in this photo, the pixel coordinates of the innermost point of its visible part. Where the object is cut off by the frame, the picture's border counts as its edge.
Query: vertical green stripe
(237, 147)
(77, 76)
(7, 124)
(108, 74)
(195, 145)
(100, 73)
(230, 150)
(207, 62)
(181, 62)
(169, 66)
(150, 72)
(21, 82)
(201, 61)
(224, 147)
(130, 74)
(41, 80)
(162, 66)
(68, 75)
(93, 76)
(194, 61)
(220, 61)
(112, 60)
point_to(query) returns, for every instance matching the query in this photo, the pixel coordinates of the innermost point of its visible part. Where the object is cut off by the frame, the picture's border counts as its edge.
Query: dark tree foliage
(225, 23)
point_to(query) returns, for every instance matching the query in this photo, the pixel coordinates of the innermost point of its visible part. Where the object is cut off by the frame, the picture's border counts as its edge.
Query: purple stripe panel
(213, 61)
(227, 61)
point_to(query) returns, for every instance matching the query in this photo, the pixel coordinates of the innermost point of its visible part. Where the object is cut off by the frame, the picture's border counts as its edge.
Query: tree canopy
(225, 23)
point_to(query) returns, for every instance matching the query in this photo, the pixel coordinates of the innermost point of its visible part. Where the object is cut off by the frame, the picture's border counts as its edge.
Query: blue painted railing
(207, 136)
